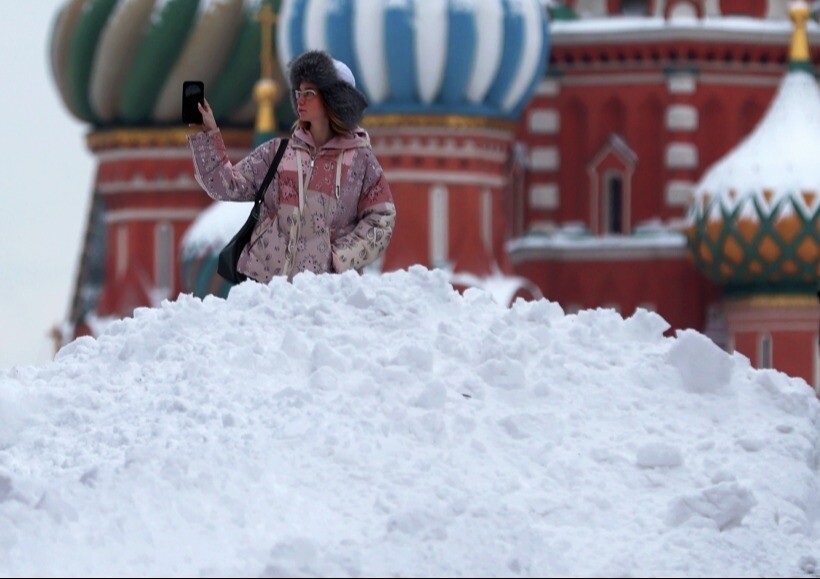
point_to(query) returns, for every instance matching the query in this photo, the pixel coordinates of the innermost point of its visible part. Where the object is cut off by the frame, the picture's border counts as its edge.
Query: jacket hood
(342, 98)
(352, 140)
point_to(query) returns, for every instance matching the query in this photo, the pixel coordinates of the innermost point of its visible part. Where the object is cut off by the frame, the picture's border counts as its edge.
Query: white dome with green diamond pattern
(755, 220)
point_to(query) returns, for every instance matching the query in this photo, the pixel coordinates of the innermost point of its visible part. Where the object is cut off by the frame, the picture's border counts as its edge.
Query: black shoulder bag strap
(229, 256)
(260, 194)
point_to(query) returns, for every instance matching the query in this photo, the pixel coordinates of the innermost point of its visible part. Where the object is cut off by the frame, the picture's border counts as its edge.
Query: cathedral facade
(534, 149)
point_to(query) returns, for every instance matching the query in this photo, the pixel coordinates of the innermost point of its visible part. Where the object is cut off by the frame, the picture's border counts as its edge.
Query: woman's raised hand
(208, 121)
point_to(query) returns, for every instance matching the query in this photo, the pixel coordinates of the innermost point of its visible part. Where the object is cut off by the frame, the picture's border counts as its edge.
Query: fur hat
(334, 80)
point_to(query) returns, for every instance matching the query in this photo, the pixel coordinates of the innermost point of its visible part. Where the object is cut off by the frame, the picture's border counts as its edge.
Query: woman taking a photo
(329, 207)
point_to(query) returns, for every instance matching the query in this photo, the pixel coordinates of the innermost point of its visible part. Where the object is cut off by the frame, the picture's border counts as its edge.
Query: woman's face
(309, 103)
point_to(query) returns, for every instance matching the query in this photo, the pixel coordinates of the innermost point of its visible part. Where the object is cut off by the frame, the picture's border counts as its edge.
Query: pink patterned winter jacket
(327, 209)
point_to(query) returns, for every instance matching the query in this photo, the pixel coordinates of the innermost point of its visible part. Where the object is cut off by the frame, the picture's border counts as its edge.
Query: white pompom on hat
(344, 72)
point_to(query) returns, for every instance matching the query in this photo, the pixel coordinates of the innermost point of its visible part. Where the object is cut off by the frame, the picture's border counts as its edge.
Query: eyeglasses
(307, 94)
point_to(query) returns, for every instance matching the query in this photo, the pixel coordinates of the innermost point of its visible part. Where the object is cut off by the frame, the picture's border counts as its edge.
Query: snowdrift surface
(387, 426)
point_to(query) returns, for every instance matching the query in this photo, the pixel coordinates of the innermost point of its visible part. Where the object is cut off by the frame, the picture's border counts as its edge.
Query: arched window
(514, 196)
(635, 7)
(683, 11)
(614, 204)
(610, 177)
(765, 352)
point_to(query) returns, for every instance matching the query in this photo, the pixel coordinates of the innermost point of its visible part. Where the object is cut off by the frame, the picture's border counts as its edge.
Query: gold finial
(800, 13)
(266, 90)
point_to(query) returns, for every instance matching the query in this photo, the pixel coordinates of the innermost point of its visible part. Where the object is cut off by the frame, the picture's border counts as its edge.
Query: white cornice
(162, 154)
(595, 253)
(642, 30)
(184, 183)
(740, 79)
(444, 132)
(648, 78)
(127, 215)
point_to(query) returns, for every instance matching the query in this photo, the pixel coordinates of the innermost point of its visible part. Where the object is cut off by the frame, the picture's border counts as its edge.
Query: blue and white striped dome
(470, 57)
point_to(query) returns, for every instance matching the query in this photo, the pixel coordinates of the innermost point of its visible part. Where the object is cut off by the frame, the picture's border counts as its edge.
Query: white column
(487, 219)
(164, 256)
(122, 250)
(439, 226)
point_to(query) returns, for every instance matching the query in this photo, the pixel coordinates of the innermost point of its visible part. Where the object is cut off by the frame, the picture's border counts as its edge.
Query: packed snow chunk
(541, 311)
(646, 326)
(657, 455)
(416, 356)
(360, 300)
(56, 507)
(703, 366)
(506, 374)
(434, 395)
(84, 345)
(789, 394)
(750, 444)
(325, 356)
(808, 565)
(5, 488)
(297, 557)
(723, 505)
(293, 343)
(16, 412)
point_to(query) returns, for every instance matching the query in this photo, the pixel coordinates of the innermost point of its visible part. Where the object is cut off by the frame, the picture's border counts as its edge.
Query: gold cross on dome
(267, 17)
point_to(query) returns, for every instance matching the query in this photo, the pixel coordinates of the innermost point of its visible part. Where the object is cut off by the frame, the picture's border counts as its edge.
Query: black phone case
(190, 112)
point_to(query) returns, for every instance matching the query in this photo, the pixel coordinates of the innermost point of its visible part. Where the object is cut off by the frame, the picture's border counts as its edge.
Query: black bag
(229, 256)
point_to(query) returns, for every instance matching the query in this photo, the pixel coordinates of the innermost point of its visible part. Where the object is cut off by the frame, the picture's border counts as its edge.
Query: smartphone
(193, 93)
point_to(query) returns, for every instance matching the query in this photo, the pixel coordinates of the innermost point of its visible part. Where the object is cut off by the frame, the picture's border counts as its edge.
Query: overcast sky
(45, 188)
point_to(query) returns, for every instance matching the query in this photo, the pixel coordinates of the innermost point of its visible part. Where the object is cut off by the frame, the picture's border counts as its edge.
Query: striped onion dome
(755, 220)
(122, 62)
(468, 57)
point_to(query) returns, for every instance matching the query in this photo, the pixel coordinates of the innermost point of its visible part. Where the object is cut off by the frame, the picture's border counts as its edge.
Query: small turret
(754, 221)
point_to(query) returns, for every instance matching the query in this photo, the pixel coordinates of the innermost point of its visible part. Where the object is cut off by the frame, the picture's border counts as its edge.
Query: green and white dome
(120, 63)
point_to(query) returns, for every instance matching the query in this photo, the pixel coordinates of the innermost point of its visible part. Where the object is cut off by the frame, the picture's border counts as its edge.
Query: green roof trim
(562, 12)
(773, 289)
(801, 66)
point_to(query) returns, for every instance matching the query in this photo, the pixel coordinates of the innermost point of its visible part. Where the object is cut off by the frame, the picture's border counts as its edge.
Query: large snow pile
(388, 426)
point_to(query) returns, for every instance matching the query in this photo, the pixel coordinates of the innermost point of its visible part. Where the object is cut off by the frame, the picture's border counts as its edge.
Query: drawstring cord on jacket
(306, 182)
(339, 175)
